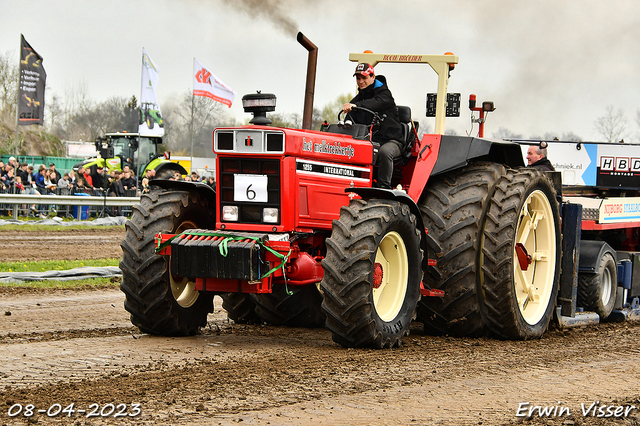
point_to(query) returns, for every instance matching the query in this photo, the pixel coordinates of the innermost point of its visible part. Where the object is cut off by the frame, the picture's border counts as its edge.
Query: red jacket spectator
(87, 176)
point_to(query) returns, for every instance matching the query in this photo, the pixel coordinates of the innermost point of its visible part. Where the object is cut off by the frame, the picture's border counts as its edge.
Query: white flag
(207, 84)
(150, 118)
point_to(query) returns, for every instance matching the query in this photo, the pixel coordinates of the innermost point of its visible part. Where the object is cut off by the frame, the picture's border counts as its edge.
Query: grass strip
(55, 265)
(50, 228)
(60, 265)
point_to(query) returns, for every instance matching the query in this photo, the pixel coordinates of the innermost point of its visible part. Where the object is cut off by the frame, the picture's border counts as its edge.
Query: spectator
(24, 172)
(116, 188)
(145, 185)
(29, 183)
(19, 187)
(127, 181)
(194, 177)
(56, 176)
(87, 177)
(5, 169)
(150, 174)
(537, 157)
(64, 182)
(48, 182)
(39, 180)
(81, 180)
(8, 179)
(79, 186)
(12, 161)
(177, 176)
(98, 178)
(212, 182)
(72, 178)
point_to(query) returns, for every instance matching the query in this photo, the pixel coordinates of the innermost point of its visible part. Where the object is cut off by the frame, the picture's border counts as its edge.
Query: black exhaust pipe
(307, 114)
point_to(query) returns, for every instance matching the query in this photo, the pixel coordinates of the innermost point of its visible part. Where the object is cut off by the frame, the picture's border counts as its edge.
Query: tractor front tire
(372, 274)
(454, 209)
(521, 254)
(299, 307)
(158, 302)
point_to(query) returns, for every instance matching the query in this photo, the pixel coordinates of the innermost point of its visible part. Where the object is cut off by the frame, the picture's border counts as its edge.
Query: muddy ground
(78, 347)
(76, 244)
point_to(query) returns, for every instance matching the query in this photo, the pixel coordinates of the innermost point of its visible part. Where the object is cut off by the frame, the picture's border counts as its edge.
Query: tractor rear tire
(454, 210)
(240, 308)
(597, 292)
(520, 283)
(301, 308)
(372, 274)
(159, 303)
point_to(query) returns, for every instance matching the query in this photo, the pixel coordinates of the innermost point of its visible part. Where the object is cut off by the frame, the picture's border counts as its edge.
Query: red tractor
(295, 234)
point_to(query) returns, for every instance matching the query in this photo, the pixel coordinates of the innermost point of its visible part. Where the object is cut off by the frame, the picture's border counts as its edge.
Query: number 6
(251, 194)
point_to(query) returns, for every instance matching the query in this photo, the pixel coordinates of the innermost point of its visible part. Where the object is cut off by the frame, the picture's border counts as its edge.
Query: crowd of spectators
(19, 178)
(22, 178)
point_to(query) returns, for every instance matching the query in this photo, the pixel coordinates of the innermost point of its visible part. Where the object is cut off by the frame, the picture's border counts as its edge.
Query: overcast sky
(549, 65)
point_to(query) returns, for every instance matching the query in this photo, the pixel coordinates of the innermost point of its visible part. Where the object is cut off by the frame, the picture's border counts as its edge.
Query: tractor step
(580, 319)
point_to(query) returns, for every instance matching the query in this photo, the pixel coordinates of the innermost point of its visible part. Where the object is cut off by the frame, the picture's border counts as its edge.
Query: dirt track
(76, 244)
(79, 347)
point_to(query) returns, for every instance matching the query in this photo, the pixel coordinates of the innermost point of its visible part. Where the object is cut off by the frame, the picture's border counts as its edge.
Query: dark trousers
(387, 153)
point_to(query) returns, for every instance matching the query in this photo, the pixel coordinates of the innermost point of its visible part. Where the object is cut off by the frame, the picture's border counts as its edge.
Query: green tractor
(139, 152)
(150, 116)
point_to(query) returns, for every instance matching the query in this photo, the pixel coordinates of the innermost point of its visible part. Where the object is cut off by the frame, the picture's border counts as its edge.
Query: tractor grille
(251, 185)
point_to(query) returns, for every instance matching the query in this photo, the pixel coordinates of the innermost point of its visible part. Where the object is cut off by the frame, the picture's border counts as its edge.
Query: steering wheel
(375, 118)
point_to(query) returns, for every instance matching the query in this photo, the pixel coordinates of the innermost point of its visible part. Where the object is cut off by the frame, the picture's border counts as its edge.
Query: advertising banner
(31, 88)
(207, 84)
(150, 119)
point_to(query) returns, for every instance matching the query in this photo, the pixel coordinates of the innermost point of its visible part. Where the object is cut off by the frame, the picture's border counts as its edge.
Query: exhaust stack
(307, 114)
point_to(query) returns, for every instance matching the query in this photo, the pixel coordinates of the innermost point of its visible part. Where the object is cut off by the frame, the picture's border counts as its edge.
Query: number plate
(252, 188)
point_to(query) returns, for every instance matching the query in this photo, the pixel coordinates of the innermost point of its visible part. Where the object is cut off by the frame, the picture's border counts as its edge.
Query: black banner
(32, 82)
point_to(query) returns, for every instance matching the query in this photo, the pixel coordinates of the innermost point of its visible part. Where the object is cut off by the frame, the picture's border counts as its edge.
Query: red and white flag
(207, 84)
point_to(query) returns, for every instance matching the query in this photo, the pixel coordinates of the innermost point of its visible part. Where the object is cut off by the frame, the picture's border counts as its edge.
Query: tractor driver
(374, 94)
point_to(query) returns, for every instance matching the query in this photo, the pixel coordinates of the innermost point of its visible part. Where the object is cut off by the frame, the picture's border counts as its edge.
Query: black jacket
(377, 97)
(544, 164)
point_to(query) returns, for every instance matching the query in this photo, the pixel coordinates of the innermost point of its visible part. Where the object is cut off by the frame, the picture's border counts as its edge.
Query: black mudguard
(181, 185)
(590, 254)
(458, 151)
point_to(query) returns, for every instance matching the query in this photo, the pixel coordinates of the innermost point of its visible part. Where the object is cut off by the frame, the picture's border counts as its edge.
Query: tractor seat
(408, 136)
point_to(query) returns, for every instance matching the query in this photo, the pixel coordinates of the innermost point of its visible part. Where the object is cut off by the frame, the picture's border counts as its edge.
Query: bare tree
(8, 84)
(330, 111)
(193, 116)
(504, 133)
(612, 125)
(570, 136)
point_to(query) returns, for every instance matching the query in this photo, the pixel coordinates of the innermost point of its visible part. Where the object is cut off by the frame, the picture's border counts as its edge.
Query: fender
(439, 154)
(162, 165)
(458, 151)
(402, 197)
(590, 254)
(180, 185)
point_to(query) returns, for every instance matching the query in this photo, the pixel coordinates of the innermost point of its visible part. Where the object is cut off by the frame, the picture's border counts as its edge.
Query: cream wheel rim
(389, 294)
(183, 290)
(536, 231)
(606, 286)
